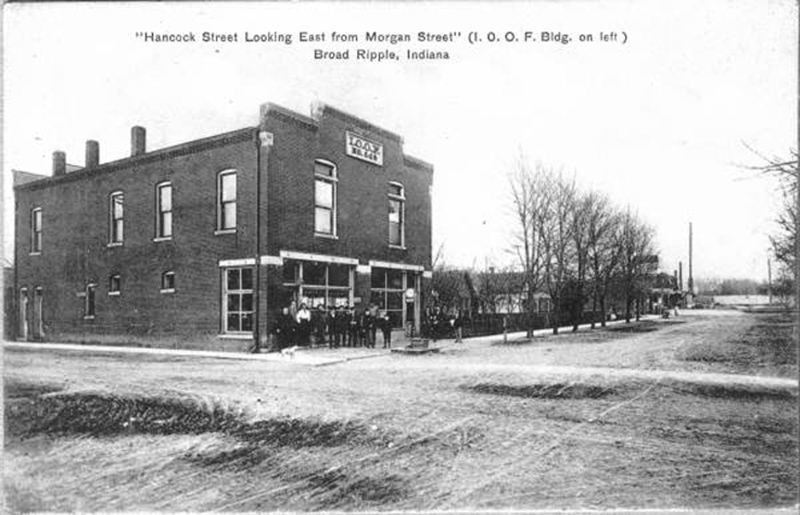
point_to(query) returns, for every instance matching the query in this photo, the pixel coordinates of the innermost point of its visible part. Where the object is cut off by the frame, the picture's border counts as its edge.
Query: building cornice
(417, 164)
(271, 110)
(219, 140)
(323, 110)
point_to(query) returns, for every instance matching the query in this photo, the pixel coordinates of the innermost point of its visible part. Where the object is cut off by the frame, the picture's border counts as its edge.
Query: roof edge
(320, 110)
(270, 108)
(187, 147)
(417, 163)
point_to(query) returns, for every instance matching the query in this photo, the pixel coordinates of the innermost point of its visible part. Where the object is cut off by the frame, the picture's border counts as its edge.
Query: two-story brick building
(201, 244)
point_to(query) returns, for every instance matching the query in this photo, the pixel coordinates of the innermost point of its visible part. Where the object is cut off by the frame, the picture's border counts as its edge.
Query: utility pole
(691, 280)
(769, 280)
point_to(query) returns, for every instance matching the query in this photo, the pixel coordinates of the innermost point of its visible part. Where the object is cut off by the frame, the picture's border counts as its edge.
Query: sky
(661, 122)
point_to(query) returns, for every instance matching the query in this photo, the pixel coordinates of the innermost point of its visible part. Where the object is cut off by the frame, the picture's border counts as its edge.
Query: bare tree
(603, 230)
(785, 243)
(557, 243)
(784, 240)
(530, 195)
(638, 260)
(449, 287)
(584, 210)
(575, 244)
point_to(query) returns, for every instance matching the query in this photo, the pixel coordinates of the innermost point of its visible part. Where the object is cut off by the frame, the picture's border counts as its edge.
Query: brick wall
(363, 209)
(76, 229)
(75, 248)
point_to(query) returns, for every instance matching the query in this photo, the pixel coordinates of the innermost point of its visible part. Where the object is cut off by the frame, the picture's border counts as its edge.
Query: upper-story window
(36, 230)
(116, 217)
(226, 200)
(164, 210)
(397, 201)
(325, 182)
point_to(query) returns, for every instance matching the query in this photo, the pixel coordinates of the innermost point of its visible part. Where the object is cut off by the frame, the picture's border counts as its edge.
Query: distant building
(740, 300)
(664, 292)
(201, 244)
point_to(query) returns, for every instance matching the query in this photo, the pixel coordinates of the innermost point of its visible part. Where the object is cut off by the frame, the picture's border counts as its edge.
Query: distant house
(740, 300)
(486, 292)
(664, 292)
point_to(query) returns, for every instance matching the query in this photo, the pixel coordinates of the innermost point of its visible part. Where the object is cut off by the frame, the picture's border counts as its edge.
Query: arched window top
(396, 189)
(114, 284)
(168, 281)
(325, 168)
(227, 172)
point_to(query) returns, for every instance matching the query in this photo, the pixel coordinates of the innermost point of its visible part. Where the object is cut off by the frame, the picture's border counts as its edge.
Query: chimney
(59, 163)
(137, 141)
(92, 153)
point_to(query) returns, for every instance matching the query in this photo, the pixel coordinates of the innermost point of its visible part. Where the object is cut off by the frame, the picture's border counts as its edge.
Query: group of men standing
(438, 324)
(342, 326)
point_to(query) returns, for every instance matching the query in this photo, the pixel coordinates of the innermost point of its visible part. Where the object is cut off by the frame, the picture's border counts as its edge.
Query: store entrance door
(38, 327)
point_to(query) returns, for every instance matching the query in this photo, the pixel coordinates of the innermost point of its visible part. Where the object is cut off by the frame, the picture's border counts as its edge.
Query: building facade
(201, 245)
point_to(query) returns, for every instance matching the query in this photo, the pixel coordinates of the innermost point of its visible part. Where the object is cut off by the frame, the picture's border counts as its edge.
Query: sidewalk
(315, 357)
(312, 357)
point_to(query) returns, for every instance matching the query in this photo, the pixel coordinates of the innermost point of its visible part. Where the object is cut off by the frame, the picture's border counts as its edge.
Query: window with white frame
(325, 182)
(36, 230)
(226, 200)
(319, 284)
(164, 210)
(168, 282)
(89, 304)
(114, 284)
(116, 217)
(397, 201)
(237, 300)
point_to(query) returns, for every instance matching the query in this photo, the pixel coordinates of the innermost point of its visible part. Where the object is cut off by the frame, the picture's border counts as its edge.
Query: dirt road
(698, 412)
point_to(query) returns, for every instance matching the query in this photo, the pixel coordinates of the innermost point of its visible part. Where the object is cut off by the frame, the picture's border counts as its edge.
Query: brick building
(201, 244)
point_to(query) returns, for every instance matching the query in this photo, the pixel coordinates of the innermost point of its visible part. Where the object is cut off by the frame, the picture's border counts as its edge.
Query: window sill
(236, 336)
(397, 247)
(167, 290)
(114, 294)
(35, 253)
(224, 231)
(324, 235)
(114, 244)
(162, 238)
(88, 317)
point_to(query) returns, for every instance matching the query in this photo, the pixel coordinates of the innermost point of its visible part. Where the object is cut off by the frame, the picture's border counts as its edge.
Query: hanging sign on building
(364, 149)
